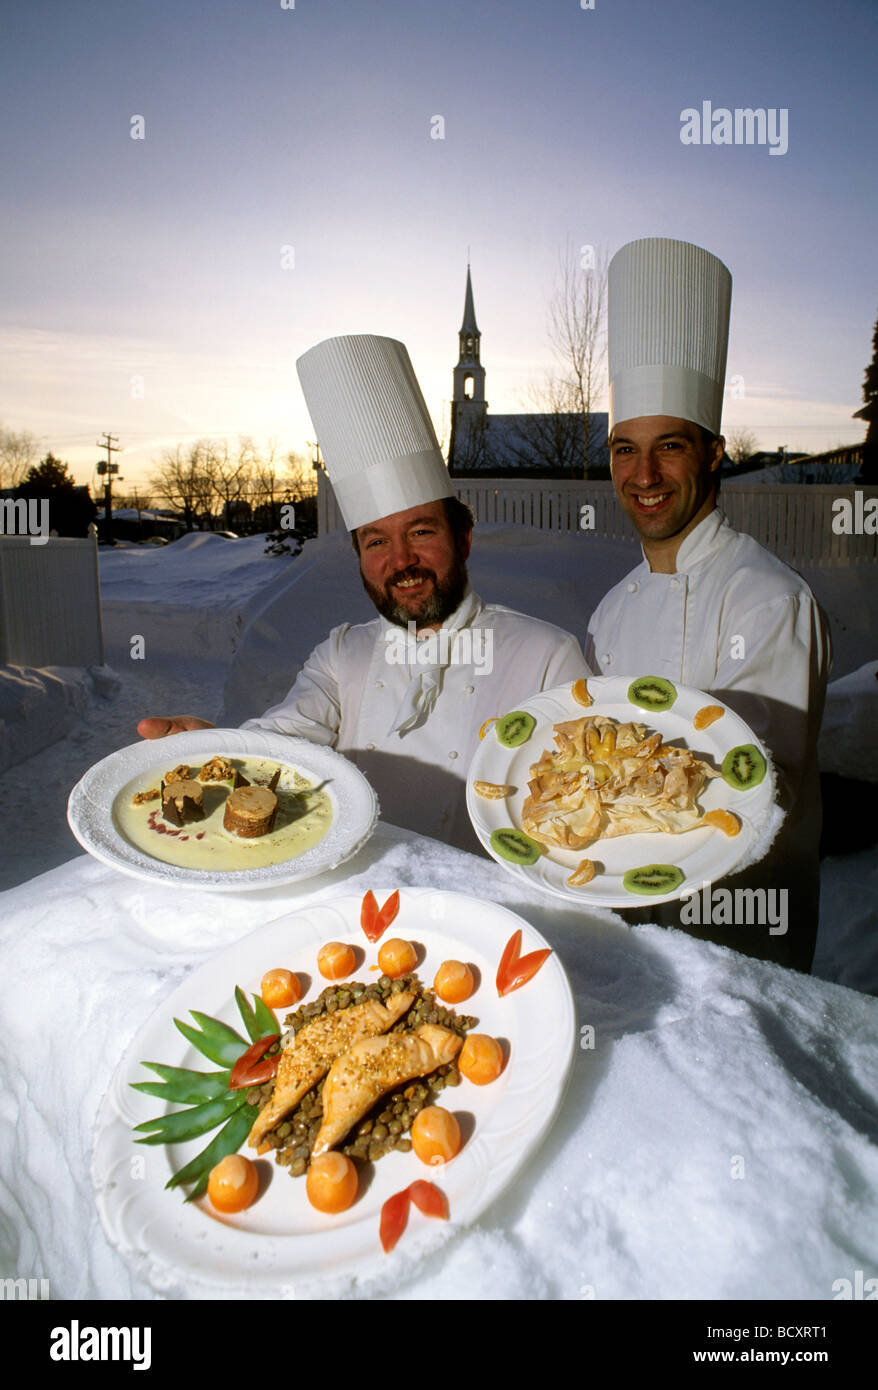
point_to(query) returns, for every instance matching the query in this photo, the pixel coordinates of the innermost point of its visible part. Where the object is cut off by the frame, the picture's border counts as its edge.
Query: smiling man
(708, 607)
(405, 695)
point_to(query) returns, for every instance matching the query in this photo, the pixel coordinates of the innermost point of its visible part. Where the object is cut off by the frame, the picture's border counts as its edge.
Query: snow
(718, 1142)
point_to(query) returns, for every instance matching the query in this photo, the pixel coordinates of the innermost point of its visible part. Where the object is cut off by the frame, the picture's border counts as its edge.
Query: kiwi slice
(653, 878)
(743, 767)
(515, 728)
(652, 692)
(515, 846)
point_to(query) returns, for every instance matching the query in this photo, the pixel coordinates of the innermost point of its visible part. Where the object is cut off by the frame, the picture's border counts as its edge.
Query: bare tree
(177, 482)
(18, 454)
(135, 501)
(470, 446)
(548, 434)
(233, 474)
(741, 445)
(578, 335)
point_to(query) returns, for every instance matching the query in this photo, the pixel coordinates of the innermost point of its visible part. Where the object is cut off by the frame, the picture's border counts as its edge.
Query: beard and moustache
(435, 608)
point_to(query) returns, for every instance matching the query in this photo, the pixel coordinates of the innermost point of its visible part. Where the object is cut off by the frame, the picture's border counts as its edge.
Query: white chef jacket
(737, 622)
(348, 695)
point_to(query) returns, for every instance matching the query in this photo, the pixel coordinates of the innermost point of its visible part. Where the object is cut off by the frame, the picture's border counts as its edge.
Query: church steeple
(469, 409)
(469, 328)
(469, 374)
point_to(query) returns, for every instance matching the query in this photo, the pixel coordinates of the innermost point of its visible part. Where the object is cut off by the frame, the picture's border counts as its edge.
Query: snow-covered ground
(217, 628)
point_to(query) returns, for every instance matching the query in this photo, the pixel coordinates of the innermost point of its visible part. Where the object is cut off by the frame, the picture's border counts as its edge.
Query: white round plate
(704, 855)
(354, 806)
(281, 1244)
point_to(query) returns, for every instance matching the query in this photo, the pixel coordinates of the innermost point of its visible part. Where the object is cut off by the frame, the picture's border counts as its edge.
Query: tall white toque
(668, 331)
(373, 426)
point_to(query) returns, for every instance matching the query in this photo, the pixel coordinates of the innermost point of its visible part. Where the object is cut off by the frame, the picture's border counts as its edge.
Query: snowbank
(187, 597)
(40, 707)
(849, 734)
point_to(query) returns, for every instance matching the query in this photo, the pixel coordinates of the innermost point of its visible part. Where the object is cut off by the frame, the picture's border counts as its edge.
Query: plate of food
(417, 1049)
(620, 792)
(223, 809)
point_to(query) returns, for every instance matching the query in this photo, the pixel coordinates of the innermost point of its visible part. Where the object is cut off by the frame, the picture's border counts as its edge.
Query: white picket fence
(794, 520)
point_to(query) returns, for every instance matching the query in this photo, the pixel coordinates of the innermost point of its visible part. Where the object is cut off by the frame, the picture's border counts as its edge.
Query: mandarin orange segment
(579, 691)
(724, 821)
(707, 715)
(583, 873)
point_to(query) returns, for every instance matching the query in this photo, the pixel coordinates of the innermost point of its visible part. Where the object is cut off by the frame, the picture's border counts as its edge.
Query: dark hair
(707, 442)
(458, 515)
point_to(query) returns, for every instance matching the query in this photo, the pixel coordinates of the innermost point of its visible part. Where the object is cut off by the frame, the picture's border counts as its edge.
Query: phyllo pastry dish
(608, 779)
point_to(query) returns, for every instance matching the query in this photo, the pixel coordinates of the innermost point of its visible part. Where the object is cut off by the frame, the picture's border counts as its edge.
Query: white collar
(700, 543)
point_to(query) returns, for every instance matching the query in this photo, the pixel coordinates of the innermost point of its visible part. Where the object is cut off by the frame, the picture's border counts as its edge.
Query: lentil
(386, 1128)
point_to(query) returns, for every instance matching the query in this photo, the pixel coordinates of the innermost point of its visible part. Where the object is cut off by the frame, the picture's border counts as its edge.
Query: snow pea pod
(216, 1040)
(181, 1086)
(265, 1019)
(189, 1124)
(247, 1013)
(228, 1141)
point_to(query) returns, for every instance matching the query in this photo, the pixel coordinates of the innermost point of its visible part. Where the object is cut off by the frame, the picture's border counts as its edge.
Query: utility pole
(108, 469)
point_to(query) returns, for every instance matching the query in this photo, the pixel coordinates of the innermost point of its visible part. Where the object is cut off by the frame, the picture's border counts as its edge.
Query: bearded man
(405, 695)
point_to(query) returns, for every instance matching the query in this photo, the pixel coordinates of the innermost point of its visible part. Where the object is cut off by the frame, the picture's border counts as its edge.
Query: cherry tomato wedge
(510, 955)
(514, 969)
(394, 1216)
(373, 922)
(369, 916)
(524, 969)
(428, 1199)
(250, 1070)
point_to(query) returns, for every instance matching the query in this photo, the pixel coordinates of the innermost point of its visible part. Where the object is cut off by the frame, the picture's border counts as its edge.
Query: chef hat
(668, 311)
(373, 426)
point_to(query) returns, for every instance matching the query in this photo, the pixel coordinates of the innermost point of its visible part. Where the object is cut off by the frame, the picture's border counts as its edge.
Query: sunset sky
(143, 290)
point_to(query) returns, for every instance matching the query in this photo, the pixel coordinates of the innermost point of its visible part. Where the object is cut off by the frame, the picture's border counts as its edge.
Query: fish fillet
(374, 1066)
(311, 1053)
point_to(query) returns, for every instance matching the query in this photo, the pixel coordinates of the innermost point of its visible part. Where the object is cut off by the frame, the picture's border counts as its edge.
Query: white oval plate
(281, 1243)
(704, 855)
(354, 806)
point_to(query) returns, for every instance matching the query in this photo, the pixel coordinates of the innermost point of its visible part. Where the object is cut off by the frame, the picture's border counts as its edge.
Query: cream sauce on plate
(304, 814)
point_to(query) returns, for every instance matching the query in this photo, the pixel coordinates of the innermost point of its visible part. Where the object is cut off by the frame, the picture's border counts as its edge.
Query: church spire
(469, 325)
(469, 409)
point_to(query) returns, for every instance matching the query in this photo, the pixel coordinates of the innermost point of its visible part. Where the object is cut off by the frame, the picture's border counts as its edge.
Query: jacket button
(452, 754)
(370, 747)
(379, 685)
(675, 583)
(633, 587)
(470, 690)
(607, 659)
